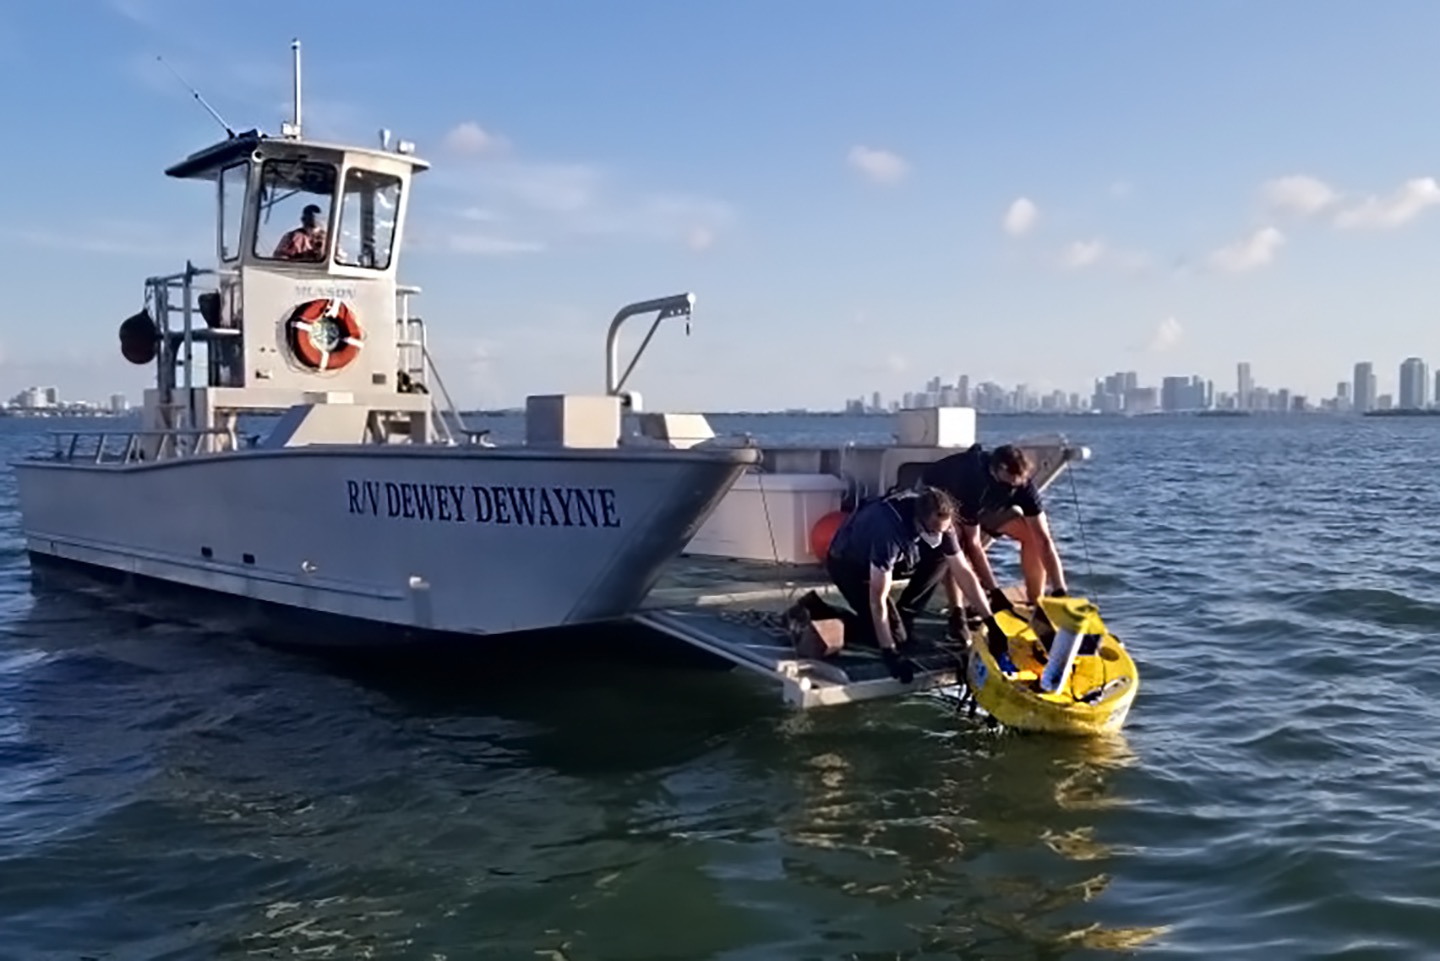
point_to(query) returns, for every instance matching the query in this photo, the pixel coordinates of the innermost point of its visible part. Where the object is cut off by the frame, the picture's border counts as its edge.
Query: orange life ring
(324, 334)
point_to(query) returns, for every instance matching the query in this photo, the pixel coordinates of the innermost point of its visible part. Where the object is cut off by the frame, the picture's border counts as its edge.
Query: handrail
(158, 432)
(67, 452)
(676, 305)
(444, 394)
(169, 279)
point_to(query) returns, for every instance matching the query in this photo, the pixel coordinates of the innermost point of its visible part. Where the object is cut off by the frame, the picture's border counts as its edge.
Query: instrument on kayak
(1072, 677)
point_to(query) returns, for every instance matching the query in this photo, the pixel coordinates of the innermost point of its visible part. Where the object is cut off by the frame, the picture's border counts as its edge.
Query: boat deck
(735, 610)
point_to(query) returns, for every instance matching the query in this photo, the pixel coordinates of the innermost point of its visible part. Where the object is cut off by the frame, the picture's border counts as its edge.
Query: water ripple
(1272, 794)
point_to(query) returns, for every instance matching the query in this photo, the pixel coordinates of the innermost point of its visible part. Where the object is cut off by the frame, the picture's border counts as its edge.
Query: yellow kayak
(1083, 685)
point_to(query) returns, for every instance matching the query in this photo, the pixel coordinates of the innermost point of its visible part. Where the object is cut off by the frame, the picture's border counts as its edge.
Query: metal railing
(160, 296)
(172, 294)
(418, 364)
(168, 444)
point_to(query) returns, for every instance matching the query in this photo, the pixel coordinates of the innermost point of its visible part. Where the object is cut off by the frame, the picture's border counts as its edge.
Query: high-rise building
(1364, 398)
(1244, 385)
(1414, 384)
(1182, 393)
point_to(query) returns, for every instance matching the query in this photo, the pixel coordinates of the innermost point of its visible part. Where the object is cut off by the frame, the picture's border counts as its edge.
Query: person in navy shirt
(883, 534)
(994, 491)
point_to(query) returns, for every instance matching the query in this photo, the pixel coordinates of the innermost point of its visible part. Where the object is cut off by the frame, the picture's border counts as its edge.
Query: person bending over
(995, 492)
(875, 538)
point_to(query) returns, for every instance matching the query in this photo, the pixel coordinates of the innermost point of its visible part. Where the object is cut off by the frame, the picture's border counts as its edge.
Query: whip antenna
(198, 99)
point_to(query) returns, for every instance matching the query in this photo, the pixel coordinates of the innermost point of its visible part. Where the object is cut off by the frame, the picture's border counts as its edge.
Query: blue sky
(861, 195)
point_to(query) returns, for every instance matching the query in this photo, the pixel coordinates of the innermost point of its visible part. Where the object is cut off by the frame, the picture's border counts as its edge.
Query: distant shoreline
(519, 411)
(56, 413)
(1404, 412)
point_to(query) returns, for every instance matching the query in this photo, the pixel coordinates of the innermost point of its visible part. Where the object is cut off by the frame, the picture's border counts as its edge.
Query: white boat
(370, 500)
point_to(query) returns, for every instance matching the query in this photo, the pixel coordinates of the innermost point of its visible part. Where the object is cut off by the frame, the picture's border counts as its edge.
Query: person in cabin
(306, 242)
(887, 532)
(993, 491)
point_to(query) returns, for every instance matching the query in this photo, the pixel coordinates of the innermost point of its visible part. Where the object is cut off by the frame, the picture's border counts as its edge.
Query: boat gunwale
(729, 456)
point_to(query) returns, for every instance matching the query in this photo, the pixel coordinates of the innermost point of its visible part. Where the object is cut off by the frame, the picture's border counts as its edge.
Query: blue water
(170, 789)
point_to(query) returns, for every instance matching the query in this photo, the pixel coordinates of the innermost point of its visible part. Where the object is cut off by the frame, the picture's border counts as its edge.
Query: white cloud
(1255, 250)
(548, 187)
(548, 200)
(470, 138)
(881, 166)
(1400, 207)
(135, 238)
(1096, 252)
(1021, 216)
(479, 215)
(484, 245)
(1082, 253)
(1167, 335)
(701, 238)
(146, 13)
(1298, 193)
(484, 379)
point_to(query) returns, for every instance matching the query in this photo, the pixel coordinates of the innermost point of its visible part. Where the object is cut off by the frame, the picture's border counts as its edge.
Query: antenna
(292, 129)
(196, 94)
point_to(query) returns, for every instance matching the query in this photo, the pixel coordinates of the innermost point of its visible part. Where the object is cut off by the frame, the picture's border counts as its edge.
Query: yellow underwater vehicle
(1071, 676)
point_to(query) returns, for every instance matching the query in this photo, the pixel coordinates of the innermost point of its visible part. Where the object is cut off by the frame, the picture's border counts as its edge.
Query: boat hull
(455, 540)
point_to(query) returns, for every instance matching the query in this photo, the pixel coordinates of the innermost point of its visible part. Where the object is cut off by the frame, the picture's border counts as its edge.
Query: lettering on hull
(485, 504)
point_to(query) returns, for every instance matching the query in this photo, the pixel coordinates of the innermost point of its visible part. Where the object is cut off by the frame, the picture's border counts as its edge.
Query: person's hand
(997, 639)
(998, 601)
(900, 667)
(999, 645)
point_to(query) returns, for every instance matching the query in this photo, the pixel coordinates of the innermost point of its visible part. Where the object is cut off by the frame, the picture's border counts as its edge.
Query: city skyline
(1127, 391)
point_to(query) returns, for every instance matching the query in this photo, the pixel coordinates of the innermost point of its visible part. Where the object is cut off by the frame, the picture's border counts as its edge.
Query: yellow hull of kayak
(1108, 677)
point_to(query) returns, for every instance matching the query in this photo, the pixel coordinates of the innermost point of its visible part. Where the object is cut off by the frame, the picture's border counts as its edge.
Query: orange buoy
(823, 531)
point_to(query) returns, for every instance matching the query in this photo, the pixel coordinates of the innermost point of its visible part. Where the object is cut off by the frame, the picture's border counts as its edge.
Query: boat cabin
(307, 244)
(303, 305)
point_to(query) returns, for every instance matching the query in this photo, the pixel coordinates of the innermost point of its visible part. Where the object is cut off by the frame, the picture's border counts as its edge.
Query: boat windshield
(295, 200)
(367, 219)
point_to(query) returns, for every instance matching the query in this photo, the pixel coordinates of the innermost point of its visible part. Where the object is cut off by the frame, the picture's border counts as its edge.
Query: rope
(787, 590)
(1080, 521)
(1090, 572)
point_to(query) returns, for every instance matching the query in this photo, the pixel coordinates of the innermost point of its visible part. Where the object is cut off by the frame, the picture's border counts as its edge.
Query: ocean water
(170, 789)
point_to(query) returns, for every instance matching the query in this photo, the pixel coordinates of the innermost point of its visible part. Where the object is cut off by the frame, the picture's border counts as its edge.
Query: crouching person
(863, 556)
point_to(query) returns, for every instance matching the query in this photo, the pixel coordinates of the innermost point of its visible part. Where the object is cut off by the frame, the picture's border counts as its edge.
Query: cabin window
(294, 210)
(368, 215)
(232, 208)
